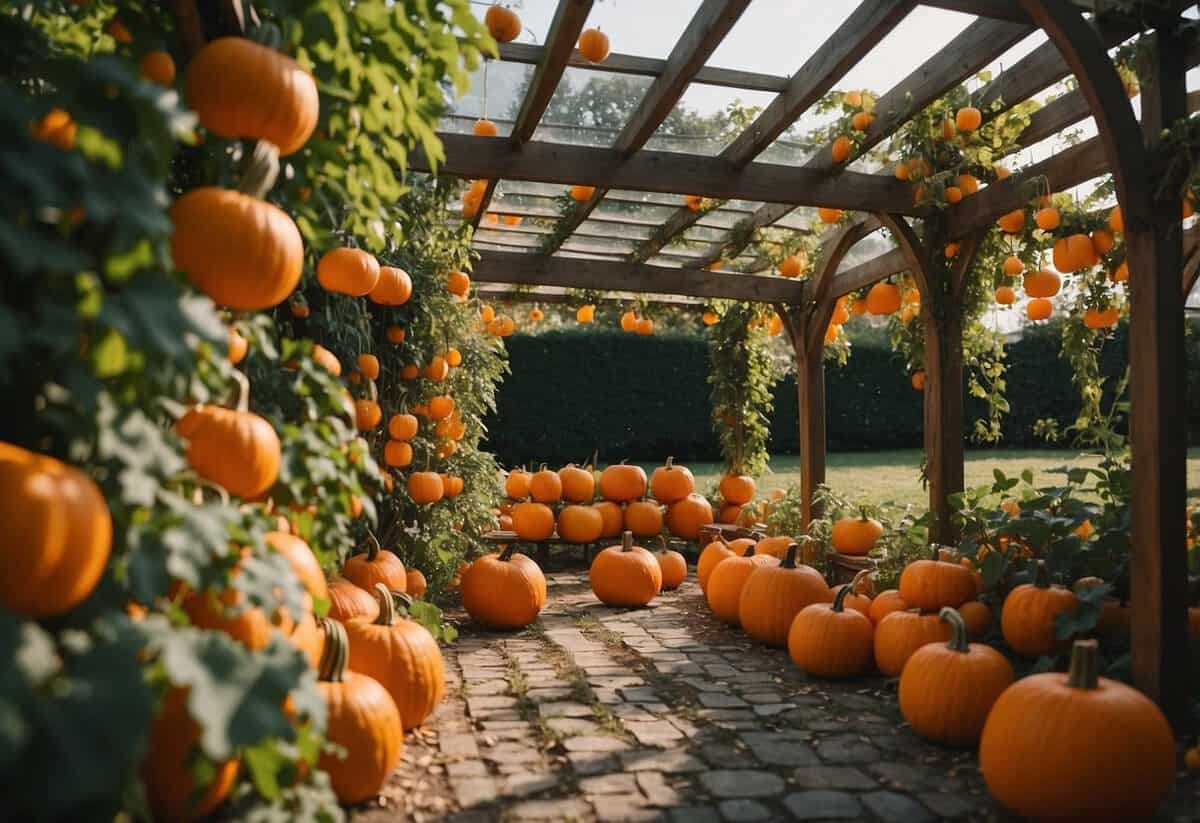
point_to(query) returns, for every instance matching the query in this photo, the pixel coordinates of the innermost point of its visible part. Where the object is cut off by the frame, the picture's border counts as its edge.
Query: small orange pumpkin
(931, 584)
(829, 640)
(715, 552)
(580, 524)
(670, 483)
(425, 487)
(516, 485)
(611, 517)
(348, 601)
(899, 634)
(644, 518)
(578, 484)
(673, 566)
(348, 271)
(235, 449)
(621, 483)
(166, 769)
(856, 535)
(403, 426)
(393, 288)
(625, 575)
(1027, 616)
(883, 298)
(502, 23)
(415, 584)
(533, 521)
(375, 565)
(885, 603)
(594, 45)
(505, 590)
(545, 486)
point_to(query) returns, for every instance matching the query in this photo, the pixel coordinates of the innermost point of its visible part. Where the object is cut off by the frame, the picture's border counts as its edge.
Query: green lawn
(892, 476)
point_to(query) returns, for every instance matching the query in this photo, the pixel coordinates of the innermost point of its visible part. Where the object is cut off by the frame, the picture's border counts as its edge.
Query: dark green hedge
(572, 393)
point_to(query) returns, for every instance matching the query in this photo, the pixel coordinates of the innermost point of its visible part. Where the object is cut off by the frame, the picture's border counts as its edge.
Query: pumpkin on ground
(774, 595)
(622, 483)
(885, 603)
(930, 585)
(376, 565)
(625, 575)
(1027, 616)
(533, 521)
(644, 518)
(946, 691)
(167, 773)
(361, 718)
(901, 633)
(673, 566)
(580, 524)
(725, 582)
(830, 640)
(686, 517)
(715, 552)
(775, 546)
(402, 656)
(348, 601)
(57, 534)
(856, 535)
(504, 591)
(1077, 746)
(670, 483)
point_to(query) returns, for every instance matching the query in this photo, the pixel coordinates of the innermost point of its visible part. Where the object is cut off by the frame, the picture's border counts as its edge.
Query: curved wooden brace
(823, 302)
(913, 249)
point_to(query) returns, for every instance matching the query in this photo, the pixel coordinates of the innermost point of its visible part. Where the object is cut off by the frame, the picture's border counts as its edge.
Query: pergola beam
(502, 294)
(666, 172)
(708, 27)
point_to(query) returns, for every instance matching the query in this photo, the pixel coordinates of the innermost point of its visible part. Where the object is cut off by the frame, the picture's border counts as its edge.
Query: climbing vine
(742, 377)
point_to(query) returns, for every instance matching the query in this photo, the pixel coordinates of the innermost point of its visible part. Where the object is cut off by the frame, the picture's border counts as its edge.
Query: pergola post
(810, 392)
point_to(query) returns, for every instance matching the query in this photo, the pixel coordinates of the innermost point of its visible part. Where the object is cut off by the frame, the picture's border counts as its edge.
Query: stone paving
(664, 714)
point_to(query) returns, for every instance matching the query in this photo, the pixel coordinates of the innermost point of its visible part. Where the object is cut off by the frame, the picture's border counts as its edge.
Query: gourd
(670, 483)
(1077, 746)
(773, 595)
(725, 582)
(361, 718)
(901, 633)
(57, 534)
(946, 691)
(402, 656)
(374, 566)
(1027, 616)
(829, 640)
(504, 591)
(625, 575)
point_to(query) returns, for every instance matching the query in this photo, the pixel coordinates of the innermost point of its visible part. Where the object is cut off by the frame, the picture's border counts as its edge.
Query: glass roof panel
(641, 211)
(599, 245)
(590, 107)
(759, 43)
(700, 123)
(505, 88)
(609, 229)
(650, 32)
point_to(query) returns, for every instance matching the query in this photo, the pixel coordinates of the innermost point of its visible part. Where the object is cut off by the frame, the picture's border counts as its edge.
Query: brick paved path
(664, 714)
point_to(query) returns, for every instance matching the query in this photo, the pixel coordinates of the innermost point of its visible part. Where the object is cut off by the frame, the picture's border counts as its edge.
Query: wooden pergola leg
(810, 391)
(943, 416)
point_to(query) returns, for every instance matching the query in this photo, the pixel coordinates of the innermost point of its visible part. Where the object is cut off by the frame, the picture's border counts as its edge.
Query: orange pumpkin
(883, 298)
(829, 216)
(533, 521)
(715, 552)
(375, 565)
(977, 616)
(260, 257)
(415, 584)
(580, 524)
(673, 566)
(578, 484)
(773, 595)
(516, 485)
(545, 486)
(737, 489)
(611, 517)
(1027, 616)
(1100, 318)
(840, 150)
(621, 483)
(1005, 296)
(393, 288)
(348, 601)
(241, 89)
(968, 119)
(1039, 309)
(670, 483)
(899, 634)
(775, 546)
(303, 562)
(856, 535)
(791, 266)
(226, 612)
(348, 271)
(57, 534)
(726, 580)
(458, 283)
(931, 584)
(403, 426)
(166, 771)
(235, 449)
(594, 45)
(829, 640)
(402, 656)
(581, 194)
(625, 575)
(644, 518)
(686, 517)
(1013, 222)
(397, 454)
(158, 67)
(425, 487)
(859, 597)
(502, 23)
(585, 314)
(885, 603)
(504, 591)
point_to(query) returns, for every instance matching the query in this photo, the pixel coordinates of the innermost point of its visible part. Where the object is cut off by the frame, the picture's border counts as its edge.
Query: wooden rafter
(569, 19)
(502, 294)
(708, 27)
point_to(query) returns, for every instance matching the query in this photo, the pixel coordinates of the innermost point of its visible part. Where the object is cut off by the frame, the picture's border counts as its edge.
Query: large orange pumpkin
(1027, 616)
(773, 595)
(625, 575)
(829, 640)
(166, 771)
(931, 584)
(375, 565)
(361, 718)
(393, 288)
(504, 591)
(236, 449)
(622, 483)
(260, 257)
(946, 691)
(348, 271)
(899, 634)
(402, 655)
(725, 582)
(686, 517)
(57, 534)
(533, 521)
(1112, 753)
(241, 89)
(580, 524)
(670, 482)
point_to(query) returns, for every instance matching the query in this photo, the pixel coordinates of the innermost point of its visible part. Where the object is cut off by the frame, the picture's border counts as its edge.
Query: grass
(894, 476)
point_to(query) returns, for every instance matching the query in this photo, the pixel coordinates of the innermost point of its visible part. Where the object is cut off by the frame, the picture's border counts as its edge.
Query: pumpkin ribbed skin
(545, 486)
(166, 768)
(737, 489)
(625, 575)
(1027, 616)
(670, 482)
(580, 524)
(303, 562)
(393, 288)
(533, 521)
(644, 518)
(504, 591)
(855, 535)
(714, 553)
(673, 566)
(933, 584)
(775, 546)
(402, 656)
(415, 583)
(946, 691)
(260, 257)
(725, 583)
(348, 271)
(1103, 751)
(686, 517)
(611, 517)
(347, 602)
(578, 484)
(860, 603)
(621, 483)
(516, 485)
(241, 89)
(829, 640)
(376, 565)
(362, 718)
(900, 634)
(57, 534)
(885, 603)
(978, 617)
(774, 595)
(237, 450)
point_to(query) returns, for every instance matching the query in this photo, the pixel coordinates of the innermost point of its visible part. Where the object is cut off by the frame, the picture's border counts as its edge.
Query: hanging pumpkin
(899, 634)
(931, 584)
(829, 640)
(57, 534)
(611, 518)
(327, 360)
(670, 483)
(348, 601)
(946, 691)
(856, 535)
(234, 448)
(1042, 283)
(402, 656)
(516, 485)
(1027, 616)
(968, 119)
(393, 288)
(829, 216)
(1077, 746)
(773, 595)
(502, 23)
(1100, 318)
(458, 283)
(581, 194)
(166, 771)
(625, 575)
(1047, 218)
(686, 517)
(1039, 309)
(883, 298)
(533, 521)
(242, 89)
(303, 562)
(348, 271)
(725, 582)
(260, 257)
(885, 603)
(585, 314)
(580, 524)
(621, 483)
(840, 149)
(397, 454)
(545, 486)
(425, 487)
(644, 518)
(1005, 296)
(673, 566)
(238, 346)
(791, 266)
(504, 591)
(403, 426)
(375, 565)
(737, 489)
(594, 45)
(578, 484)
(361, 718)
(1013, 222)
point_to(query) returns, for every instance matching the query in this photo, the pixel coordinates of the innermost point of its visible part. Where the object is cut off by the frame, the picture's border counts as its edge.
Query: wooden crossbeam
(868, 272)
(667, 172)
(503, 294)
(708, 27)
(650, 67)
(580, 273)
(569, 19)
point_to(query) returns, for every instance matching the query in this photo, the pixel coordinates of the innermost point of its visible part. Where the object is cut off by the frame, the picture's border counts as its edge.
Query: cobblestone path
(664, 714)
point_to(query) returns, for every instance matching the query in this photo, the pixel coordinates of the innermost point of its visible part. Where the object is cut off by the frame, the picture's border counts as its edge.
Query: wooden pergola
(1078, 45)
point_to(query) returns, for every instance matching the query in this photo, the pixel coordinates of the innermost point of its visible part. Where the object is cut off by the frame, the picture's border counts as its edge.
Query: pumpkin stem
(662, 539)
(260, 170)
(405, 599)
(627, 541)
(243, 395)
(335, 652)
(373, 547)
(1041, 575)
(865, 574)
(1085, 665)
(507, 552)
(789, 559)
(839, 600)
(750, 551)
(958, 629)
(387, 606)
(670, 462)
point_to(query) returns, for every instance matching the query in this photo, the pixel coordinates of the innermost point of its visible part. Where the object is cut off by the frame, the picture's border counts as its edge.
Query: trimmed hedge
(574, 392)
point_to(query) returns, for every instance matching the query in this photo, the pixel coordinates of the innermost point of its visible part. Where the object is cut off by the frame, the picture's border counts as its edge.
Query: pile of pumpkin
(952, 691)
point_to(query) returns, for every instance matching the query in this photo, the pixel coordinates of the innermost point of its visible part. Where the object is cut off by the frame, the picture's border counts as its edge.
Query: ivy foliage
(741, 377)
